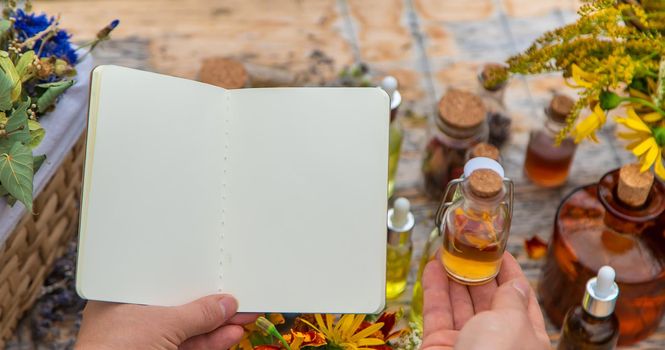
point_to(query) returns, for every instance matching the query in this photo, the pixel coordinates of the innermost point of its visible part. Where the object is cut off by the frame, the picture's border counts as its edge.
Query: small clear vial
(400, 246)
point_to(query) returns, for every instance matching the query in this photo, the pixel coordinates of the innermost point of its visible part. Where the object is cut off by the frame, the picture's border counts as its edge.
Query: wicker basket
(38, 240)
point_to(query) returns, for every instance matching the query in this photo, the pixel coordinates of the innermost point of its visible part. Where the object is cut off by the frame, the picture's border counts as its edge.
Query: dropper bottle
(593, 325)
(400, 246)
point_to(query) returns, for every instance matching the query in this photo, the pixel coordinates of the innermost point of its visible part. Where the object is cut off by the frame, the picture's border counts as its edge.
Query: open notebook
(277, 196)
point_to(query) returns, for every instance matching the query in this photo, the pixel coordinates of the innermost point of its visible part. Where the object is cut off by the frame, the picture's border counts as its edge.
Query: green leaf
(10, 71)
(36, 138)
(53, 90)
(16, 172)
(5, 25)
(23, 65)
(17, 126)
(37, 162)
(37, 133)
(6, 86)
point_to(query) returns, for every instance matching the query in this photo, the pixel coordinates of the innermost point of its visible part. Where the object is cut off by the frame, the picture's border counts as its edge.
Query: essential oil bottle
(476, 225)
(493, 79)
(390, 84)
(461, 124)
(547, 164)
(400, 246)
(618, 221)
(593, 325)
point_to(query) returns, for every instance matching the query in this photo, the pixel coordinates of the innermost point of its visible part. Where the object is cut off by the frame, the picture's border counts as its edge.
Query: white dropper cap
(401, 212)
(389, 84)
(604, 281)
(400, 218)
(601, 293)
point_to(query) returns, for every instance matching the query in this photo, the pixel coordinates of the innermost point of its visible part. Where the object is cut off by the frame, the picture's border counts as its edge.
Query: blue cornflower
(29, 24)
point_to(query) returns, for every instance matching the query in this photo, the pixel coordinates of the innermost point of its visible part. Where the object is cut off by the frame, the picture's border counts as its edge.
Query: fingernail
(226, 303)
(522, 287)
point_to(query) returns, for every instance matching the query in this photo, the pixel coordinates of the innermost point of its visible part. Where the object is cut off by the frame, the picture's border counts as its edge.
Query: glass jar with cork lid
(547, 163)
(476, 225)
(461, 124)
(620, 221)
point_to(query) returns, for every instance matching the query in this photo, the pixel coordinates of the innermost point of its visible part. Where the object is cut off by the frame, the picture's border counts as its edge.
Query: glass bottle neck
(626, 219)
(461, 137)
(553, 127)
(477, 205)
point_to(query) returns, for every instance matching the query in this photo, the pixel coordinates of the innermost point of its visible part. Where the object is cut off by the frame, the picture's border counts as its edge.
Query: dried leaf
(535, 247)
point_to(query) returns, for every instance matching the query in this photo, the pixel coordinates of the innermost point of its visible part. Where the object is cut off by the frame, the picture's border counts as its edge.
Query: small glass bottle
(389, 84)
(461, 124)
(493, 79)
(432, 244)
(593, 324)
(400, 227)
(619, 221)
(476, 225)
(547, 164)
(434, 240)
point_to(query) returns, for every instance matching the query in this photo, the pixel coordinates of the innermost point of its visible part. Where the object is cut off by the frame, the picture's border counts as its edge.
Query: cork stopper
(485, 183)
(634, 186)
(461, 109)
(493, 76)
(485, 150)
(223, 72)
(560, 107)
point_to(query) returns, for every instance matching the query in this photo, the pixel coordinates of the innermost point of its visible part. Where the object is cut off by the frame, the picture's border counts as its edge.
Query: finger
(510, 269)
(204, 315)
(437, 310)
(536, 318)
(481, 296)
(462, 304)
(513, 295)
(243, 319)
(443, 339)
(220, 339)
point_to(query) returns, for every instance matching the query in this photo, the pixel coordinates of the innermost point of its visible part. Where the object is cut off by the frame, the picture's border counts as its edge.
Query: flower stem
(644, 103)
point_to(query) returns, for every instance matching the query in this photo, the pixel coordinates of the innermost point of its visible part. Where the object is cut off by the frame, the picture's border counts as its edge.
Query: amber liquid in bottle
(471, 258)
(593, 228)
(582, 331)
(546, 164)
(474, 239)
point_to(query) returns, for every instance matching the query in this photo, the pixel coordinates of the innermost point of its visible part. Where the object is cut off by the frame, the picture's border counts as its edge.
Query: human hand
(502, 314)
(207, 323)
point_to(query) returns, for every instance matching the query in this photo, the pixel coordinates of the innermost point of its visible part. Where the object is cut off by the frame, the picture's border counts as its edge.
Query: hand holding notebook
(277, 196)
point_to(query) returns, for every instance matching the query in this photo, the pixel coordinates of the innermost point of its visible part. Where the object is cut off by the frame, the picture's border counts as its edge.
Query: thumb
(204, 315)
(512, 295)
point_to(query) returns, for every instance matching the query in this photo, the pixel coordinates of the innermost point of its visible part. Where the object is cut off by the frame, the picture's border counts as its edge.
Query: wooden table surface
(429, 45)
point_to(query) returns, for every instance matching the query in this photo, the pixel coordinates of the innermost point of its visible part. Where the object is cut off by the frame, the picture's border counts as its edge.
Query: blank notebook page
(151, 198)
(305, 224)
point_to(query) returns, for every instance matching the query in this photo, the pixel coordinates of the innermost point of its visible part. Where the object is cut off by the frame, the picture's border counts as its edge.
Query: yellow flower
(642, 142)
(582, 79)
(346, 333)
(589, 126)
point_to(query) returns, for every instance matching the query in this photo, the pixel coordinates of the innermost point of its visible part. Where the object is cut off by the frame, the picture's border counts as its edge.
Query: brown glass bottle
(583, 331)
(547, 164)
(461, 124)
(594, 227)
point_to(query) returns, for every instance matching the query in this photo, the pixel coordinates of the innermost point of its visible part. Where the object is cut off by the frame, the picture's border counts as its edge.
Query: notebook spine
(225, 179)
